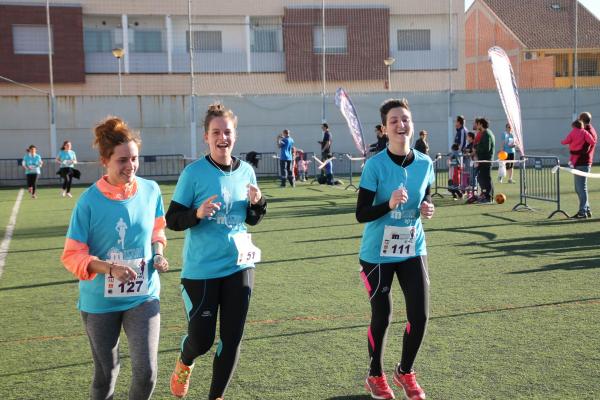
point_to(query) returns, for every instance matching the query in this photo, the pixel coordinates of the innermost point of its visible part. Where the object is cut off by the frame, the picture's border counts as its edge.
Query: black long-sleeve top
(366, 211)
(180, 217)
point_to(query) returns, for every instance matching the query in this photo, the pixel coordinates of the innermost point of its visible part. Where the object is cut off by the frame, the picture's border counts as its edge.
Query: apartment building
(240, 47)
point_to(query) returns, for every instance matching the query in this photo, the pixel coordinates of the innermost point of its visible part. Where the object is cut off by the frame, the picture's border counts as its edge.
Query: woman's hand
(208, 208)
(399, 196)
(254, 193)
(160, 263)
(122, 272)
(427, 210)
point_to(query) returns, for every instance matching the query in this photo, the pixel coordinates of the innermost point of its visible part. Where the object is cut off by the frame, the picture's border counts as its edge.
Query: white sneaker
(63, 193)
(69, 195)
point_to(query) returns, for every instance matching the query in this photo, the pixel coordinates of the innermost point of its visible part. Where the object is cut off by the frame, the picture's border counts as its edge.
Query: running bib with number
(248, 253)
(137, 287)
(398, 241)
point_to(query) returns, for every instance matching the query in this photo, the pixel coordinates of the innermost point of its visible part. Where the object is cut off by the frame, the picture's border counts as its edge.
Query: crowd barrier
(538, 182)
(450, 174)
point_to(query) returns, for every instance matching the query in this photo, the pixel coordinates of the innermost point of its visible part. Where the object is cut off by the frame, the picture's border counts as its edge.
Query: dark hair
(218, 110)
(64, 144)
(286, 131)
(483, 122)
(388, 105)
(110, 133)
(508, 125)
(471, 135)
(423, 132)
(325, 125)
(585, 117)
(31, 147)
(577, 124)
(454, 146)
(460, 119)
(379, 127)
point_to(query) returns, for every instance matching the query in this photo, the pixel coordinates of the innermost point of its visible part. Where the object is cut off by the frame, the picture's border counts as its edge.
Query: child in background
(576, 139)
(454, 172)
(302, 165)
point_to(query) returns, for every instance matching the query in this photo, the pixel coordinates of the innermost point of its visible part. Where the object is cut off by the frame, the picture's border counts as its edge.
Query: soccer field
(514, 310)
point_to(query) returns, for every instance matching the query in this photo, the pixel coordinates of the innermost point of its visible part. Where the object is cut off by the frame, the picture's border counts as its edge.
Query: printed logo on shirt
(121, 228)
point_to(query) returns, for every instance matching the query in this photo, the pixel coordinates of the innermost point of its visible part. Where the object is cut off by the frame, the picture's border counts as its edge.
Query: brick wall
(68, 57)
(367, 44)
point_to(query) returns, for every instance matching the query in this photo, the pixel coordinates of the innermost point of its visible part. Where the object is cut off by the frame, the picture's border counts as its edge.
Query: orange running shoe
(378, 387)
(408, 383)
(180, 379)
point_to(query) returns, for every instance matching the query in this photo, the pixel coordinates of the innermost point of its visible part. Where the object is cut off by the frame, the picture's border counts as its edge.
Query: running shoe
(69, 195)
(408, 383)
(378, 387)
(180, 379)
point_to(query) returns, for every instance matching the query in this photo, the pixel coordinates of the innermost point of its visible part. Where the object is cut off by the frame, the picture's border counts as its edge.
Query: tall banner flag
(509, 94)
(342, 100)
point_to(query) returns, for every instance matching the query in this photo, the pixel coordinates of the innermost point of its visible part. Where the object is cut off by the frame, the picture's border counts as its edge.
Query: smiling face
(220, 138)
(68, 146)
(399, 127)
(123, 163)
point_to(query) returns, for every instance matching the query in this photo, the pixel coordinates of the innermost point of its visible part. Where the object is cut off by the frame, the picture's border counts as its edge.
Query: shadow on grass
(341, 328)
(297, 229)
(40, 232)
(350, 397)
(572, 265)
(34, 250)
(536, 246)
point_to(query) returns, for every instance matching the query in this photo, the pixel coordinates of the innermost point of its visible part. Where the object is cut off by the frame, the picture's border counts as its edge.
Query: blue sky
(592, 5)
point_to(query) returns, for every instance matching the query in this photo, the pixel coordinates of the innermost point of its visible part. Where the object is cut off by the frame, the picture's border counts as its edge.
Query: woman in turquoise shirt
(67, 160)
(32, 163)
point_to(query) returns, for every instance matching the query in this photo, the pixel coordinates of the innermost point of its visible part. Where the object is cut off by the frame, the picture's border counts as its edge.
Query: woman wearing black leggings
(67, 160)
(393, 196)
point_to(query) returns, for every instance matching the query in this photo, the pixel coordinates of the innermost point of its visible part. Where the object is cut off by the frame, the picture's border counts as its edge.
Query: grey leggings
(142, 326)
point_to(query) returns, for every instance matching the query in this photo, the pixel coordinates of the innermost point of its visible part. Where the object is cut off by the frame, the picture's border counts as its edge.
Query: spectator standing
(286, 157)
(421, 144)
(460, 138)
(485, 151)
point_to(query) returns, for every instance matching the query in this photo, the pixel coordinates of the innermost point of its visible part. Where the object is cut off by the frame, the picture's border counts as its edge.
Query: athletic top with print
(509, 143)
(30, 161)
(115, 229)
(65, 157)
(382, 176)
(209, 250)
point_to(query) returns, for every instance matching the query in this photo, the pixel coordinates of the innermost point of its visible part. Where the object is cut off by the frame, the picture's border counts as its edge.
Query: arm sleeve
(76, 258)
(568, 139)
(365, 210)
(158, 232)
(255, 212)
(180, 217)
(427, 196)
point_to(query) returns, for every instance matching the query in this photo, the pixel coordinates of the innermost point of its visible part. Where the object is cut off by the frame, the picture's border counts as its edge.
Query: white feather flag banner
(342, 100)
(509, 94)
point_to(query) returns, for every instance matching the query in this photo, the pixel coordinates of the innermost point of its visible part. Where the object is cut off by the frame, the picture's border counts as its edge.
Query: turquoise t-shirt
(509, 139)
(118, 231)
(32, 163)
(209, 250)
(382, 176)
(67, 158)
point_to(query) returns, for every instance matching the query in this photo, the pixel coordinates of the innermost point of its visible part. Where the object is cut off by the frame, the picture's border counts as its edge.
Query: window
(587, 64)
(205, 41)
(336, 41)
(147, 41)
(97, 41)
(561, 65)
(414, 40)
(264, 41)
(266, 35)
(30, 39)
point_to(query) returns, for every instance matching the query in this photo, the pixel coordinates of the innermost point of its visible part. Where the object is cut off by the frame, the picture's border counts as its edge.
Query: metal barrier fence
(446, 178)
(160, 167)
(537, 182)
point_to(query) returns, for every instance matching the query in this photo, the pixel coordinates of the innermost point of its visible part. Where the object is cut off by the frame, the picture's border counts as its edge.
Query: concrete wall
(164, 126)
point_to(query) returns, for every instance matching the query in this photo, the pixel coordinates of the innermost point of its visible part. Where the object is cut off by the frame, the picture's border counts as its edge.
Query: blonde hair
(218, 110)
(110, 133)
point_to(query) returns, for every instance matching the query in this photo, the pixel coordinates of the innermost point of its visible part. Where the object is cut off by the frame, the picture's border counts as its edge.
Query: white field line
(10, 228)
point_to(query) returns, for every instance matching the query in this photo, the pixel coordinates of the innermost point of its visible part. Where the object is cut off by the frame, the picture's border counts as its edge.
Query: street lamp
(119, 53)
(388, 63)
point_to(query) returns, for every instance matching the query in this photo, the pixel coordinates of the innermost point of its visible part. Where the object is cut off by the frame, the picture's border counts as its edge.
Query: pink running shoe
(408, 383)
(378, 387)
